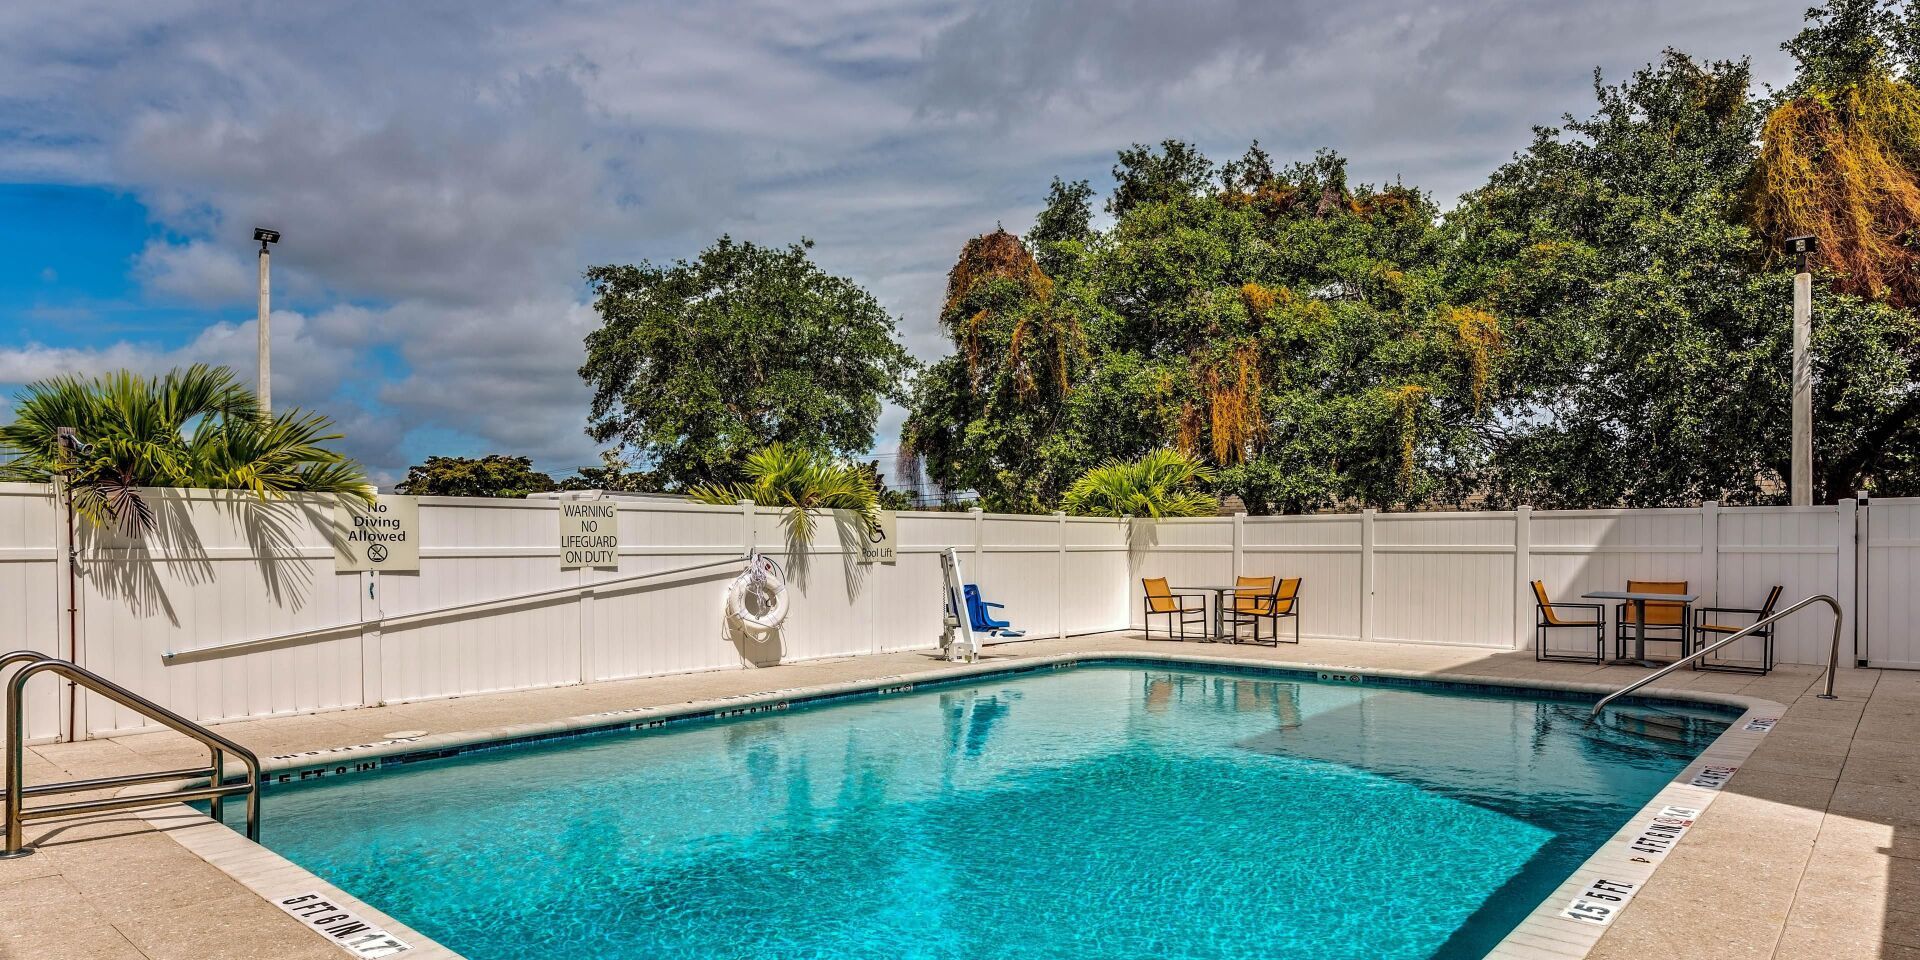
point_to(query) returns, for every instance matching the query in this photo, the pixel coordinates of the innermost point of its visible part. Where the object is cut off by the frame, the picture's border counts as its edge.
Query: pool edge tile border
(274, 878)
(1546, 932)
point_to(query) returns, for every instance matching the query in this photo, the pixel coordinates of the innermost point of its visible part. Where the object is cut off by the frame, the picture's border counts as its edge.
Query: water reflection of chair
(1239, 694)
(1159, 693)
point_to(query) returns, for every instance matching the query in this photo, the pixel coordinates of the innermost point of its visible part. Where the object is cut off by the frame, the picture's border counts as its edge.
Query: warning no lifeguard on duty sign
(589, 534)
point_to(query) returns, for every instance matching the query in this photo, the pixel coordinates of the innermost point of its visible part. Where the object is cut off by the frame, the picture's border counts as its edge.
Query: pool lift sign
(589, 534)
(383, 536)
(879, 539)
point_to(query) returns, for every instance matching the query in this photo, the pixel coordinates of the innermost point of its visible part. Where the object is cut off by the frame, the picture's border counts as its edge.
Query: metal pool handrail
(216, 790)
(1833, 657)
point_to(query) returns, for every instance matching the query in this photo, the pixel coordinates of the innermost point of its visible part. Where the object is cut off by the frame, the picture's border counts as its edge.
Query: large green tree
(1605, 322)
(1286, 328)
(1840, 160)
(698, 363)
(1660, 375)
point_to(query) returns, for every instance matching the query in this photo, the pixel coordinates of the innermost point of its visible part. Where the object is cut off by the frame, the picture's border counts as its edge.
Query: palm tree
(196, 427)
(1160, 484)
(799, 481)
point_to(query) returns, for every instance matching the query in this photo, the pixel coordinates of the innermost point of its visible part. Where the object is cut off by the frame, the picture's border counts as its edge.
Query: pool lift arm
(957, 639)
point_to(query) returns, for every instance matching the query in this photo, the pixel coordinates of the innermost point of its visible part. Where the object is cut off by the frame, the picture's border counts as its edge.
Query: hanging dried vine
(1844, 166)
(1406, 401)
(1481, 339)
(1226, 410)
(986, 260)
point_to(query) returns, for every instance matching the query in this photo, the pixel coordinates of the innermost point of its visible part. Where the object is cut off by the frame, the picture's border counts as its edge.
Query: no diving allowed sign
(383, 535)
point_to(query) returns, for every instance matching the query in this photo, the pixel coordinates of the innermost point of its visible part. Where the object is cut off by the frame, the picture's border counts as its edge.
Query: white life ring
(757, 600)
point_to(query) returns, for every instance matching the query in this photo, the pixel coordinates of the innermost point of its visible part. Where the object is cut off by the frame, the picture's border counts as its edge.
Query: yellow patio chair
(1160, 600)
(1280, 601)
(1666, 621)
(1555, 616)
(1710, 625)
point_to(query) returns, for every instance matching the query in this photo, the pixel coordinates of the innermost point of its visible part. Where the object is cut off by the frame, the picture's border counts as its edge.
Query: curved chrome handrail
(1833, 657)
(17, 791)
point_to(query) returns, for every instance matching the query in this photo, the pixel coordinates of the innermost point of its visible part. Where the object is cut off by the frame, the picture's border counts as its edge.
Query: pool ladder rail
(215, 790)
(1833, 656)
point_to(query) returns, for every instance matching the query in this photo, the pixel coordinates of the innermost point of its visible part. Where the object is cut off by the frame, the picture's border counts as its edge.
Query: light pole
(265, 237)
(1800, 487)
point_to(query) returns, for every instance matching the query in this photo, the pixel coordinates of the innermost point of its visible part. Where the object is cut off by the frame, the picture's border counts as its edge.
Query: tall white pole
(1801, 487)
(266, 340)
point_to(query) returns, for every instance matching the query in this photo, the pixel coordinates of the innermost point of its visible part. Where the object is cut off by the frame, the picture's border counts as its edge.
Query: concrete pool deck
(1811, 850)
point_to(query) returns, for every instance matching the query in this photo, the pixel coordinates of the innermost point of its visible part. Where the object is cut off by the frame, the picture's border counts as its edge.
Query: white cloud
(197, 271)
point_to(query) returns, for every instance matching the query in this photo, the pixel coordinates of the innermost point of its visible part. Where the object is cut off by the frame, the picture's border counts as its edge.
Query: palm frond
(1161, 484)
(194, 427)
(799, 481)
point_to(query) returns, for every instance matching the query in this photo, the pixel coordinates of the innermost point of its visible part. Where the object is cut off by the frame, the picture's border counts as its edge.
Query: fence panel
(1792, 547)
(219, 566)
(1575, 551)
(1325, 553)
(1188, 552)
(473, 551)
(1445, 578)
(33, 586)
(1891, 583)
(670, 624)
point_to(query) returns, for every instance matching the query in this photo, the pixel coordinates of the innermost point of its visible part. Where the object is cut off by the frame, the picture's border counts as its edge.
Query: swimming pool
(1102, 810)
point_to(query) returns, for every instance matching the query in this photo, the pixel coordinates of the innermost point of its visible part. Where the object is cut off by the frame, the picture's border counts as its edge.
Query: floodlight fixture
(1802, 247)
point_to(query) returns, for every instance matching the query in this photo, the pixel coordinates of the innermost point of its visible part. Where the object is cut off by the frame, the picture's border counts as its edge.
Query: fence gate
(1890, 581)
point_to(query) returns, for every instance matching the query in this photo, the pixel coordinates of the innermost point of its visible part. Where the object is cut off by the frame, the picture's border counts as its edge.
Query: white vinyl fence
(244, 598)
(232, 609)
(1463, 578)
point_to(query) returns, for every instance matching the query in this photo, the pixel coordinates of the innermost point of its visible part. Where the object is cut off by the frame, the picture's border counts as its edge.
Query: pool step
(1657, 726)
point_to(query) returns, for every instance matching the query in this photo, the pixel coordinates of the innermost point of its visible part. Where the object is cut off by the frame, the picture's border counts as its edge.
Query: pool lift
(968, 627)
(959, 641)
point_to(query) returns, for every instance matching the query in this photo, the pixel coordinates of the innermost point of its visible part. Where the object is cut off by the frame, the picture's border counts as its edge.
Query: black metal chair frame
(1238, 616)
(1541, 625)
(1623, 627)
(1177, 615)
(1764, 635)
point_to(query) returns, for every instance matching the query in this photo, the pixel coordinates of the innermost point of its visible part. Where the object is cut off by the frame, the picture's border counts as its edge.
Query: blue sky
(66, 268)
(443, 171)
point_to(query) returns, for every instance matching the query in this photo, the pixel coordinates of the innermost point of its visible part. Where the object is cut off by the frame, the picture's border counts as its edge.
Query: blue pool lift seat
(981, 619)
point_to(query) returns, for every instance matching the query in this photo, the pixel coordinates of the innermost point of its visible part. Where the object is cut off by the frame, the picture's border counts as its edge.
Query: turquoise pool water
(1100, 811)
